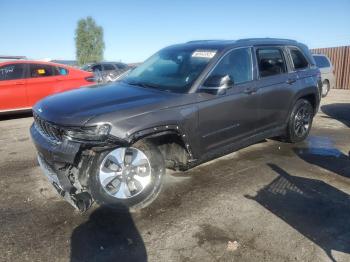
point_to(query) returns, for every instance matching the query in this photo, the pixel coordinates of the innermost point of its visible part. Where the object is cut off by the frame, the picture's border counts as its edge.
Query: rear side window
(271, 61)
(321, 61)
(299, 60)
(38, 70)
(12, 72)
(108, 67)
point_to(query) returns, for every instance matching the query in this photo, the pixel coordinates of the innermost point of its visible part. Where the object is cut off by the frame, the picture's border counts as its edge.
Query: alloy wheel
(125, 172)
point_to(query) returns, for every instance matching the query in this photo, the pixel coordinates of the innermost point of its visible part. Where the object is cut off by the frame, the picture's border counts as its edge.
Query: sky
(134, 30)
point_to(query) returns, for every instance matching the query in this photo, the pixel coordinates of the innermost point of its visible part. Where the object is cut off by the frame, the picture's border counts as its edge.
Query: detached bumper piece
(81, 201)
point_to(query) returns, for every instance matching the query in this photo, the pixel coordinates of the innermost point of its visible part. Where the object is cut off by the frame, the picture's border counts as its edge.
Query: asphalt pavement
(272, 201)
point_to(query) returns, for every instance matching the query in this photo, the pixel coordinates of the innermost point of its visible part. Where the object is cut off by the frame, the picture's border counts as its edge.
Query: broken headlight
(91, 133)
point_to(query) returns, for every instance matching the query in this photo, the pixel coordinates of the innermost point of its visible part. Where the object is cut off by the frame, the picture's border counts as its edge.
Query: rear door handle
(19, 83)
(291, 81)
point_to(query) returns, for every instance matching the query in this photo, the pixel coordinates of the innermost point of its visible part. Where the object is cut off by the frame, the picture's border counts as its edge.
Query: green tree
(89, 41)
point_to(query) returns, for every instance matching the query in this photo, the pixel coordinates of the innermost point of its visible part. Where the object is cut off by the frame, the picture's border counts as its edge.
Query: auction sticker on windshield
(204, 53)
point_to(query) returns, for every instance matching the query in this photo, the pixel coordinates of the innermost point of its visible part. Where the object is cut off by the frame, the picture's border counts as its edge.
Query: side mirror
(217, 84)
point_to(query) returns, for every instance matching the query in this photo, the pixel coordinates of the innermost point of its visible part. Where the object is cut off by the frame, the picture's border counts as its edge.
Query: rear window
(321, 61)
(38, 70)
(271, 61)
(12, 71)
(299, 60)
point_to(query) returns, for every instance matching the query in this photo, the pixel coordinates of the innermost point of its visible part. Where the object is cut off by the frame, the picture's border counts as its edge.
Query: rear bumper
(64, 152)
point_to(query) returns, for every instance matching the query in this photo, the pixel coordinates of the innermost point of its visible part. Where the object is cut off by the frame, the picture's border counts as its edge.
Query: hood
(76, 107)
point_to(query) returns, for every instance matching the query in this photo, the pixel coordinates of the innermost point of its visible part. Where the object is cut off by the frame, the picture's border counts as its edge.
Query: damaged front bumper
(81, 201)
(57, 160)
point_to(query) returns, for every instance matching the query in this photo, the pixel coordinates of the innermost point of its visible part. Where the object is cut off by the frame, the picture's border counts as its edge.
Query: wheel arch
(171, 141)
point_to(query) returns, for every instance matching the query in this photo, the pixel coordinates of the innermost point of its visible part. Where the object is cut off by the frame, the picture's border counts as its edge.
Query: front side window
(38, 70)
(321, 61)
(96, 68)
(172, 69)
(121, 66)
(108, 67)
(299, 60)
(12, 72)
(271, 61)
(62, 71)
(237, 64)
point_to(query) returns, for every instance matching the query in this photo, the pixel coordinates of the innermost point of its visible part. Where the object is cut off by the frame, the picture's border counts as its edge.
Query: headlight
(92, 133)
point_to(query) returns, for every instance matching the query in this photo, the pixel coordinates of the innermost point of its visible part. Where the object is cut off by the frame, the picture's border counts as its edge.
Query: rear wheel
(127, 177)
(325, 88)
(300, 121)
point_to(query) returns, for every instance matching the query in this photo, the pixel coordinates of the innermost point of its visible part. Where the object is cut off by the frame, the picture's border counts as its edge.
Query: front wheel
(127, 177)
(300, 121)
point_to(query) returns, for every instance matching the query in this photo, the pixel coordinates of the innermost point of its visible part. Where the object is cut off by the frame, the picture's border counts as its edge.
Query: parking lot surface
(272, 201)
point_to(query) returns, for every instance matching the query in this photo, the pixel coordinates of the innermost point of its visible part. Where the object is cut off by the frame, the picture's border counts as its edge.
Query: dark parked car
(185, 105)
(106, 71)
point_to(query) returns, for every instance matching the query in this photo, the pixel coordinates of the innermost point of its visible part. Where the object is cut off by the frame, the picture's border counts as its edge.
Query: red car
(23, 83)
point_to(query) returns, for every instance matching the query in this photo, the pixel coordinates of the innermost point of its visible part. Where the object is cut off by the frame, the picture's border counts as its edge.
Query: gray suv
(185, 105)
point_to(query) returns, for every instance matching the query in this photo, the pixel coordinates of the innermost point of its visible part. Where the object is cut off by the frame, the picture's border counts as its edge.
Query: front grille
(50, 131)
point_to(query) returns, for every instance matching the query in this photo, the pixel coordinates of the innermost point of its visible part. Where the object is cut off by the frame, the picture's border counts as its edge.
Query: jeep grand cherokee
(185, 105)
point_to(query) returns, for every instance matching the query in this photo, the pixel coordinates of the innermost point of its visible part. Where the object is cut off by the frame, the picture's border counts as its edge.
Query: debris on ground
(232, 245)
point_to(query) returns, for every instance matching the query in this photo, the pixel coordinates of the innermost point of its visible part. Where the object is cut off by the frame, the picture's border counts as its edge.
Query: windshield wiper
(145, 85)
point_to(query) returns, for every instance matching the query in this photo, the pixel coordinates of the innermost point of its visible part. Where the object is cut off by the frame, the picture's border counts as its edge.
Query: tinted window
(321, 61)
(38, 70)
(237, 65)
(12, 71)
(299, 60)
(121, 66)
(271, 61)
(96, 68)
(62, 71)
(108, 67)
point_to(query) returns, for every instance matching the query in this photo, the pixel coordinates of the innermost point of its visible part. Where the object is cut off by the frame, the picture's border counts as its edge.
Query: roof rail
(266, 39)
(207, 40)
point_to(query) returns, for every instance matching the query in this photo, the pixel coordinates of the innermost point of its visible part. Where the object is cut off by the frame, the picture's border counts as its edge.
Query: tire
(124, 191)
(325, 88)
(300, 121)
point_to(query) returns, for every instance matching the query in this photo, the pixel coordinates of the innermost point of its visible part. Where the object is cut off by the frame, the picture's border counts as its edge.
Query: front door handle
(291, 81)
(19, 83)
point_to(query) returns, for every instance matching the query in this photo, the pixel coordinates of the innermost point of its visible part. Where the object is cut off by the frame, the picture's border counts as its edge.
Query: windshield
(171, 70)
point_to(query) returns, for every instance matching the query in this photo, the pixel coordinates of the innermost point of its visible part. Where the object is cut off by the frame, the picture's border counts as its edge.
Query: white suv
(327, 72)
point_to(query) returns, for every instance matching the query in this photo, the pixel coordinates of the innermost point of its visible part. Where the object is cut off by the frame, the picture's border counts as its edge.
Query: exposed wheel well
(312, 99)
(173, 149)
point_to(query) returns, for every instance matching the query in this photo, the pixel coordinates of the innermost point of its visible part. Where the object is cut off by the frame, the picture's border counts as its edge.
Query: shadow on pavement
(317, 210)
(107, 236)
(13, 115)
(327, 158)
(338, 111)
